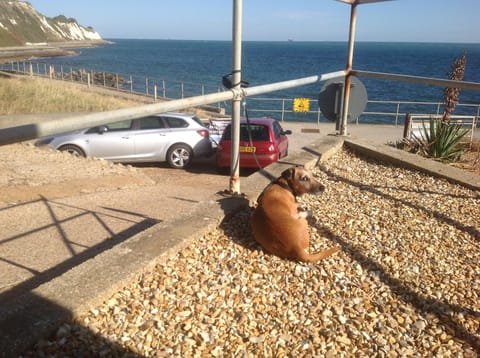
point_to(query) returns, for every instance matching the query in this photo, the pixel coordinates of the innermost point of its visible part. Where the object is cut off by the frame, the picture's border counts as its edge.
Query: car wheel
(73, 150)
(179, 156)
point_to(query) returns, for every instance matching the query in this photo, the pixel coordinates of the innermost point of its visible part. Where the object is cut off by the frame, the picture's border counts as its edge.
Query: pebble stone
(406, 282)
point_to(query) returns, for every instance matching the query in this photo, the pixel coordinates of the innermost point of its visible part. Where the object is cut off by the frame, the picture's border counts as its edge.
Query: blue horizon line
(296, 41)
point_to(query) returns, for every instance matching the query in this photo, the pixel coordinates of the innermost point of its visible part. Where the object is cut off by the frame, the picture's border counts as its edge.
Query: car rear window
(258, 132)
(198, 121)
(173, 122)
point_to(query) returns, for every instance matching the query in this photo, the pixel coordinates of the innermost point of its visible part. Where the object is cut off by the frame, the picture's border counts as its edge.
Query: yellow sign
(301, 105)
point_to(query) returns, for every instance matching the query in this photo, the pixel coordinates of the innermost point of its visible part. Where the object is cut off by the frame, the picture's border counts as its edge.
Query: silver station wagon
(176, 138)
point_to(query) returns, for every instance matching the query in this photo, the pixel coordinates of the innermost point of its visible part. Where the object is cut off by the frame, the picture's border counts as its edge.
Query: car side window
(117, 126)
(151, 123)
(277, 129)
(173, 122)
(120, 126)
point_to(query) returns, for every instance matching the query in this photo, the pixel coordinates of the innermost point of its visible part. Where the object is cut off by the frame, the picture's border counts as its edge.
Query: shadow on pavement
(77, 252)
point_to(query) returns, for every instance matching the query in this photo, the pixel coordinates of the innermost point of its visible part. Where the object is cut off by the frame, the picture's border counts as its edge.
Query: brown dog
(277, 224)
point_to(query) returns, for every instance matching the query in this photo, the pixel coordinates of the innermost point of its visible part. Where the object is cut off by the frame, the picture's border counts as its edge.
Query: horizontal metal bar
(439, 116)
(419, 80)
(38, 129)
(292, 83)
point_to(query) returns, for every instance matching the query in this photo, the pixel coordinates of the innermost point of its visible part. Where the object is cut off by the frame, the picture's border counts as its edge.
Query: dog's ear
(289, 173)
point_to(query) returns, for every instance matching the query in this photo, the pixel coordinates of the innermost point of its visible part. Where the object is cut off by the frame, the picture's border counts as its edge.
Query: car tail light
(203, 132)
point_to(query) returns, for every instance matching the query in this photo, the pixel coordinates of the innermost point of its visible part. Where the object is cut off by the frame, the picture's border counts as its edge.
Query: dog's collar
(280, 184)
(286, 187)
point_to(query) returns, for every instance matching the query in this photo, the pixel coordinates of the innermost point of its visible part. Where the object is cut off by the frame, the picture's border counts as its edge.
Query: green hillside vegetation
(37, 95)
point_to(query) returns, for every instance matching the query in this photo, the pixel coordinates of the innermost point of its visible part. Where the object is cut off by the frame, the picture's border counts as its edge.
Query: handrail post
(348, 69)
(236, 80)
(476, 117)
(408, 126)
(397, 114)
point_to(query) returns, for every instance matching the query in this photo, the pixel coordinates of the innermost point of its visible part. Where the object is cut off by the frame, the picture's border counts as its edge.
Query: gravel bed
(405, 283)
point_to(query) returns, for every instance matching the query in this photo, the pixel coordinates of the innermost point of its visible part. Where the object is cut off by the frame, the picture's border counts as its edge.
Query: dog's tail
(305, 256)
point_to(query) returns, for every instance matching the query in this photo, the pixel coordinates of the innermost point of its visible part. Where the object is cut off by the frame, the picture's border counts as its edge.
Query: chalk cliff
(21, 24)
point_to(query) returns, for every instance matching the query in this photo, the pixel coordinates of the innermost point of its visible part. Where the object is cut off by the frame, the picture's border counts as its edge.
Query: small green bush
(441, 140)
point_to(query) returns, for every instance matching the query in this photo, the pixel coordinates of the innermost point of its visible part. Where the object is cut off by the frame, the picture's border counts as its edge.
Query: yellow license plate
(247, 149)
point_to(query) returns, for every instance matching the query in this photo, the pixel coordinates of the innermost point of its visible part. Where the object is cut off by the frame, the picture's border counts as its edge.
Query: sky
(274, 20)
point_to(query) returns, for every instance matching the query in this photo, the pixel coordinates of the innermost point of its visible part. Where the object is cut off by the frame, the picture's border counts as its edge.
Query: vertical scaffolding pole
(348, 69)
(236, 105)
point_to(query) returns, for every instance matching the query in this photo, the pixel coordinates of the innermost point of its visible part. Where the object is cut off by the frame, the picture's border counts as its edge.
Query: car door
(151, 139)
(115, 143)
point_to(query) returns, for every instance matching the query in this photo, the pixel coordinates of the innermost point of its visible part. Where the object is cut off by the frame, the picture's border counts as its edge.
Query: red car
(269, 143)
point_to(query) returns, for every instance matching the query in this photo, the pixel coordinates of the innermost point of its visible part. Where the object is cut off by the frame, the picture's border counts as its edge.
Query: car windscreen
(258, 132)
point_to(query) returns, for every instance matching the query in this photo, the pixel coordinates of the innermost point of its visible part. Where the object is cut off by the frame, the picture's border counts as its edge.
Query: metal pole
(236, 79)
(346, 89)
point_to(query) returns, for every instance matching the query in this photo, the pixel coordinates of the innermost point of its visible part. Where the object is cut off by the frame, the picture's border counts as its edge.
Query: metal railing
(377, 111)
(148, 86)
(38, 129)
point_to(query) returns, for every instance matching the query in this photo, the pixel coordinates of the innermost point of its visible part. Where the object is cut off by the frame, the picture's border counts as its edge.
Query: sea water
(205, 62)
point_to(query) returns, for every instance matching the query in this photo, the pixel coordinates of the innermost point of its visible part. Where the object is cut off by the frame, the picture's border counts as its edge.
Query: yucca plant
(440, 140)
(451, 95)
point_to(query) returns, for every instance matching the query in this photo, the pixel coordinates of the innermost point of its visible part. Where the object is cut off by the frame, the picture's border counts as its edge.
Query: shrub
(440, 140)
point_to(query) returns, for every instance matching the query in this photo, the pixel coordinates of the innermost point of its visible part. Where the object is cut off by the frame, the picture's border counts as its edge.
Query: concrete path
(53, 275)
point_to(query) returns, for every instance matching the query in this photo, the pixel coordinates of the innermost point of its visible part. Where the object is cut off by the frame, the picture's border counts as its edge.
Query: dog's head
(301, 181)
